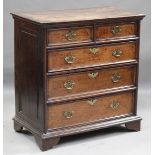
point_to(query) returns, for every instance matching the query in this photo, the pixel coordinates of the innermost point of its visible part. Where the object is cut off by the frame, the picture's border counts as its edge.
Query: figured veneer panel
(124, 30)
(84, 57)
(69, 35)
(85, 112)
(82, 82)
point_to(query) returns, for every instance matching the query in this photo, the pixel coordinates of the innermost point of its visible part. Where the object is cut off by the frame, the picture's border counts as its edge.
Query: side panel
(28, 74)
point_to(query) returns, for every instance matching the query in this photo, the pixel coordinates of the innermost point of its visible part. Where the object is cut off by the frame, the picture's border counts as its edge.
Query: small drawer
(116, 31)
(92, 109)
(84, 82)
(65, 36)
(92, 56)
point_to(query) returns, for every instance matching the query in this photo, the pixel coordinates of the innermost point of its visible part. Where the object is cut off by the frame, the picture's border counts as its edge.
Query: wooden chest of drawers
(75, 71)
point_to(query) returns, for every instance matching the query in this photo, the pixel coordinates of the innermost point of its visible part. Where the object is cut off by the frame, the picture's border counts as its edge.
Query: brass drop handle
(92, 101)
(117, 53)
(116, 30)
(69, 85)
(70, 35)
(116, 78)
(68, 114)
(93, 75)
(115, 105)
(69, 59)
(93, 50)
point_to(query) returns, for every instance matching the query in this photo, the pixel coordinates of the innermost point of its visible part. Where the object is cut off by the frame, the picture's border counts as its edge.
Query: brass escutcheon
(92, 101)
(69, 85)
(68, 114)
(117, 53)
(116, 78)
(69, 59)
(93, 50)
(70, 35)
(115, 105)
(116, 30)
(93, 75)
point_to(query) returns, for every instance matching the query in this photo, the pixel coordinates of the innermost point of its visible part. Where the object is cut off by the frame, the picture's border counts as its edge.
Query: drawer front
(69, 36)
(90, 81)
(87, 57)
(67, 114)
(115, 31)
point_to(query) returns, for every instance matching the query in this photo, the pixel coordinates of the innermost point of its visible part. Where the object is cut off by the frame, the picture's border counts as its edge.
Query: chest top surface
(56, 16)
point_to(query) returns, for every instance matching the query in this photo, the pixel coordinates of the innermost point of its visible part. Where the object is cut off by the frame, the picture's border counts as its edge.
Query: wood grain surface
(105, 32)
(85, 58)
(83, 112)
(58, 36)
(84, 83)
(104, 12)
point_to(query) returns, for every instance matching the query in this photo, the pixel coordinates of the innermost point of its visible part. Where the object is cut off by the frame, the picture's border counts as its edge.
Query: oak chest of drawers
(75, 71)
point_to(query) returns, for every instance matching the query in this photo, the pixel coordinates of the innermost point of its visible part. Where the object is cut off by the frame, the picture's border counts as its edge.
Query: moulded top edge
(85, 14)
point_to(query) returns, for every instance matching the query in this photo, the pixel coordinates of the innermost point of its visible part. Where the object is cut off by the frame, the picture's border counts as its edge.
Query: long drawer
(92, 56)
(65, 85)
(92, 109)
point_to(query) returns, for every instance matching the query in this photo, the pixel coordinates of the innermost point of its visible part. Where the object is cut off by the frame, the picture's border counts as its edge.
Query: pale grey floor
(108, 141)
